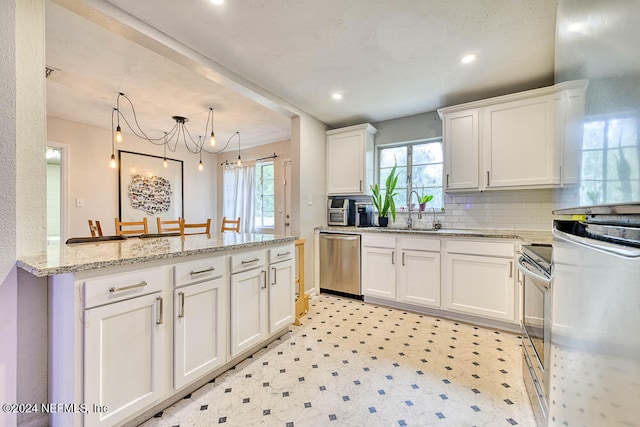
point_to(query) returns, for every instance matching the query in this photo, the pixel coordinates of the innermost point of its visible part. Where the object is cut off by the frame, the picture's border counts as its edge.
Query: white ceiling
(389, 58)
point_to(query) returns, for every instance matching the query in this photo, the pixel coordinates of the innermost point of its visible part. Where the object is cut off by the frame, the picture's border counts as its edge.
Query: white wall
(283, 150)
(8, 202)
(93, 180)
(308, 152)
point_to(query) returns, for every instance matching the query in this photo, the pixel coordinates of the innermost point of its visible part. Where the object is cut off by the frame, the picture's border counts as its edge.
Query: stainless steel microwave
(341, 212)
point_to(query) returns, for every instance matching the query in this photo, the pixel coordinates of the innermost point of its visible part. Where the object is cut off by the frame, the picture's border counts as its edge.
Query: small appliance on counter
(364, 214)
(341, 212)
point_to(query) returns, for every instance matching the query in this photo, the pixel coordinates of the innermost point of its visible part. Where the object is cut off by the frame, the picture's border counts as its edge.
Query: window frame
(410, 166)
(259, 175)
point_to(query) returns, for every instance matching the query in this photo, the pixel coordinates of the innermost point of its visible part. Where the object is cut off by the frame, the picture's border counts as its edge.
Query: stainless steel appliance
(340, 264)
(535, 264)
(595, 345)
(364, 214)
(341, 212)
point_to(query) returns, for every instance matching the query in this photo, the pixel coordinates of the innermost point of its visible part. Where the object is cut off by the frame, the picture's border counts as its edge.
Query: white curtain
(239, 195)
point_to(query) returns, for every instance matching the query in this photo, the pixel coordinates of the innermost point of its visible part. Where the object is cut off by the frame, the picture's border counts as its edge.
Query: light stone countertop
(60, 259)
(524, 236)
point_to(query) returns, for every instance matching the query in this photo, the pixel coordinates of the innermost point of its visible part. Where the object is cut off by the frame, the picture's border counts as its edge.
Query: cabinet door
(248, 309)
(199, 330)
(345, 163)
(419, 278)
(282, 295)
(461, 148)
(480, 285)
(379, 272)
(123, 358)
(518, 141)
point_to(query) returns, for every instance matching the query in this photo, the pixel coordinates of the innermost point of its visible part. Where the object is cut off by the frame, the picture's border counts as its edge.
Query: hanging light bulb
(118, 134)
(164, 162)
(212, 140)
(239, 162)
(113, 162)
(200, 166)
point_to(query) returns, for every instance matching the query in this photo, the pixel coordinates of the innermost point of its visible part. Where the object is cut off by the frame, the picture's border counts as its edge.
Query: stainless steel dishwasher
(340, 264)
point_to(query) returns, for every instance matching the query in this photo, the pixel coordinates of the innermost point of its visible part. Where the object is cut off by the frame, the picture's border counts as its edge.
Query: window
(610, 161)
(419, 166)
(265, 195)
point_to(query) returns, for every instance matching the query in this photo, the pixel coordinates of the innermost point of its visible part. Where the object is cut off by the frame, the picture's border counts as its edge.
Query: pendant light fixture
(171, 139)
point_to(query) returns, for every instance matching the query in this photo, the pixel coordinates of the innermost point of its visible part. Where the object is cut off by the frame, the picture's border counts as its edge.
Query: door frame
(64, 187)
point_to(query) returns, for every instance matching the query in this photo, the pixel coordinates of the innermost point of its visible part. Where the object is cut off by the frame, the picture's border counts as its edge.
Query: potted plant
(423, 200)
(385, 204)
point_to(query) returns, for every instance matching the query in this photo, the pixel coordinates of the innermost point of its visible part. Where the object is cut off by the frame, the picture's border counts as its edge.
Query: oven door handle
(530, 270)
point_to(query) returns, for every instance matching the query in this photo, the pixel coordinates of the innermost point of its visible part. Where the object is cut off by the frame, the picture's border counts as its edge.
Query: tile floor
(357, 364)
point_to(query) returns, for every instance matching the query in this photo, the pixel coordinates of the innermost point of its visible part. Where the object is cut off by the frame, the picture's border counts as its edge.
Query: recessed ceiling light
(468, 58)
(337, 96)
(217, 1)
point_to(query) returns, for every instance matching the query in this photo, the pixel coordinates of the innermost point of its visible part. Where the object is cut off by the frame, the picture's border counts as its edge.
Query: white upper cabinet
(350, 160)
(461, 150)
(515, 141)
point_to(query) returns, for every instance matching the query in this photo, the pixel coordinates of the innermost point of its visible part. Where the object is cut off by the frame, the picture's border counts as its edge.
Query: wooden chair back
(230, 225)
(142, 227)
(195, 228)
(96, 229)
(169, 226)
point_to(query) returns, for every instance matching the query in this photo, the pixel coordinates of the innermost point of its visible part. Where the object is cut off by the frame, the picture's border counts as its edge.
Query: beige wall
(283, 150)
(96, 183)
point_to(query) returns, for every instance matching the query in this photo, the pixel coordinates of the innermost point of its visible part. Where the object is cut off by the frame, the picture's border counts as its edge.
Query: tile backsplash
(504, 210)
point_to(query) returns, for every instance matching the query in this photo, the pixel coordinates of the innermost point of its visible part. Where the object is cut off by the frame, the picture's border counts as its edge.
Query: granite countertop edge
(525, 236)
(36, 268)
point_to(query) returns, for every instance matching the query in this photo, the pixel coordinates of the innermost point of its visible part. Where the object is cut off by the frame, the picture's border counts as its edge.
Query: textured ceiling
(389, 58)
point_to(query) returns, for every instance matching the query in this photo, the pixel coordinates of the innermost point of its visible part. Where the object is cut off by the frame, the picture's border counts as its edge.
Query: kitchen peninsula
(136, 324)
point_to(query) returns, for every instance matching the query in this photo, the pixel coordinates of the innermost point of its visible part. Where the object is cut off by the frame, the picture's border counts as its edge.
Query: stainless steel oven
(535, 265)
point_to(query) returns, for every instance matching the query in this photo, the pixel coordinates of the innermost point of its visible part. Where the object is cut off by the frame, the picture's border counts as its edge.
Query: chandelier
(171, 139)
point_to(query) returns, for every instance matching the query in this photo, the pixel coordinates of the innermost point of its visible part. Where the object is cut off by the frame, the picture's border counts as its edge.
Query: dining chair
(169, 226)
(230, 224)
(96, 229)
(141, 227)
(193, 227)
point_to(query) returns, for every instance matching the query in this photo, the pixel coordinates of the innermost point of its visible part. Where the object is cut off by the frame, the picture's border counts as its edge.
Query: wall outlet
(79, 202)
(309, 200)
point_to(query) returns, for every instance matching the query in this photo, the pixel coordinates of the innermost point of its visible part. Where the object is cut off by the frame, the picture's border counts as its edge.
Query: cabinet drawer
(378, 241)
(282, 253)
(247, 260)
(420, 244)
(192, 271)
(500, 249)
(117, 287)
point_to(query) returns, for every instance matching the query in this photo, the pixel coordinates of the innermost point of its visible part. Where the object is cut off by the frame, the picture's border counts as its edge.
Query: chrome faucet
(435, 224)
(409, 220)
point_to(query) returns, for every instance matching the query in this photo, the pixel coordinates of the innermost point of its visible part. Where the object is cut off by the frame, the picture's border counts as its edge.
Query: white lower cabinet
(199, 329)
(479, 280)
(402, 269)
(124, 363)
(419, 278)
(282, 295)
(248, 309)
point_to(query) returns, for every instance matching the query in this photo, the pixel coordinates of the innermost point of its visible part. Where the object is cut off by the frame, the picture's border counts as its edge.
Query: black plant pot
(383, 221)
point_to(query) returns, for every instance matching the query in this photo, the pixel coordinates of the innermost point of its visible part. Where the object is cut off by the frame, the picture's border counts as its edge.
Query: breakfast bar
(136, 324)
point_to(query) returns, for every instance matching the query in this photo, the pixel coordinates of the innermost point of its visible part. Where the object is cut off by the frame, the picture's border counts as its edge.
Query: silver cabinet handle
(360, 185)
(181, 299)
(447, 180)
(284, 253)
(160, 318)
(510, 268)
(264, 279)
(127, 288)
(488, 184)
(206, 270)
(250, 261)
(393, 257)
(403, 258)
(273, 271)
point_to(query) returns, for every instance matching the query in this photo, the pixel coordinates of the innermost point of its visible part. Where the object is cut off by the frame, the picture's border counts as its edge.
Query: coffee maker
(364, 214)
